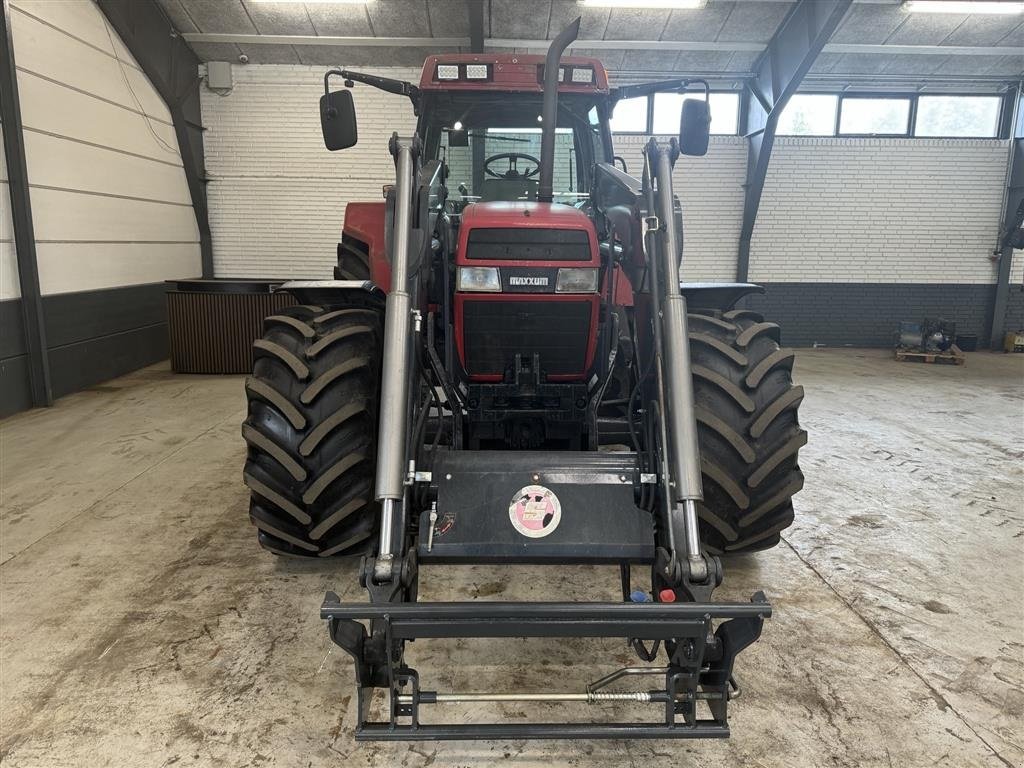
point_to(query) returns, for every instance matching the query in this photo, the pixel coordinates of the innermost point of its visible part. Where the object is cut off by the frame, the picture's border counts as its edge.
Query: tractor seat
(508, 190)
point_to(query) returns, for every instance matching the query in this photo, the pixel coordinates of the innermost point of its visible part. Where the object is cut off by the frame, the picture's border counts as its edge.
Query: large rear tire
(748, 430)
(311, 430)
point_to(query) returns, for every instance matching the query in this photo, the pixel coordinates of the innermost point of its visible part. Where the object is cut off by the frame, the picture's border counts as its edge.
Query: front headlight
(576, 280)
(479, 279)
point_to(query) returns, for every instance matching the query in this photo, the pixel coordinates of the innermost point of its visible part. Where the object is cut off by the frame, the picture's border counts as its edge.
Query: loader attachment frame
(700, 665)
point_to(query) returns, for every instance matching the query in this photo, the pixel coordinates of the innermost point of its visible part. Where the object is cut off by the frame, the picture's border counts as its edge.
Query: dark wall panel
(12, 329)
(14, 391)
(91, 336)
(866, 314)
(75, 317)
(77, 366)
(1015, 308)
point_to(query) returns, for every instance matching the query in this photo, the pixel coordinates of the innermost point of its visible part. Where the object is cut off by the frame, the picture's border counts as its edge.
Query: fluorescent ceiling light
(314, 2)
(671, 4)
(964, 6)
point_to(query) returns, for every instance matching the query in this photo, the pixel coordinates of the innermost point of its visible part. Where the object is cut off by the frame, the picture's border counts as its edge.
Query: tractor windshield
(491, 144)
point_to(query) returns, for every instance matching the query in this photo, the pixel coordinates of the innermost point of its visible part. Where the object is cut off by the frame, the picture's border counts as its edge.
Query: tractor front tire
(311, 430)
(748, 430)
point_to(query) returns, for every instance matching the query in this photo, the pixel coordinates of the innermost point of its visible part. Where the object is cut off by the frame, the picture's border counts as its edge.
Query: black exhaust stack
(549, 113)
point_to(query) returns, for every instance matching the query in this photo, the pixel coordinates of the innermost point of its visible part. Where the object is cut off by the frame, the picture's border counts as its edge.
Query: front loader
(508, 370)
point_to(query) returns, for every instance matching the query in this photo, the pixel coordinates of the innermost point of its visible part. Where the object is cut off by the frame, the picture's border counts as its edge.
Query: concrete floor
(140, 624)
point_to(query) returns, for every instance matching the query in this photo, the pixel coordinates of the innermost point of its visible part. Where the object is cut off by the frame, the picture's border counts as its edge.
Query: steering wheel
(512, 172)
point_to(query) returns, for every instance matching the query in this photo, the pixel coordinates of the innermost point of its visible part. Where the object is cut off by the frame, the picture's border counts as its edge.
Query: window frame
(1001, 126)
(1001, 130)
(835, 120)
(649, 127)
(908, 129)
(911, 133)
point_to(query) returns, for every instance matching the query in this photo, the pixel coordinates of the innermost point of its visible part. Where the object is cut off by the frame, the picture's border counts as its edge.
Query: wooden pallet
(952, 356)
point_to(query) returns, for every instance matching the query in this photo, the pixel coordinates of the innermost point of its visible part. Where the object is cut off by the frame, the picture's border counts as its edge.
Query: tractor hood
(525, 215)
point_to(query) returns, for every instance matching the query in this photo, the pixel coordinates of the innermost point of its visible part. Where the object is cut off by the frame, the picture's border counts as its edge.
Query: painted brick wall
(277, 196)
(711, 191)
(880, 211)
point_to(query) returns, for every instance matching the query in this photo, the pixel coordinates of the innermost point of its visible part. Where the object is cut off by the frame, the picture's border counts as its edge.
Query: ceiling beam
(777, 74)
(478, 43)
(476, 25)
(380, 42)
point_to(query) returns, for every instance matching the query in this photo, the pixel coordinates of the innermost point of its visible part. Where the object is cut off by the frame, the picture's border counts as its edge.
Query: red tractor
(507, 370)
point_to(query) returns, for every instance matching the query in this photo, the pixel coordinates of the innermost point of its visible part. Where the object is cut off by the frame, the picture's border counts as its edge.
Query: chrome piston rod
(392, 431)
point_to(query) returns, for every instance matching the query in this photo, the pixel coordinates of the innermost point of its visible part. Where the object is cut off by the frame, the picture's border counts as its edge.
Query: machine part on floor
(930, 335)
(538, 386)
(1014, 341)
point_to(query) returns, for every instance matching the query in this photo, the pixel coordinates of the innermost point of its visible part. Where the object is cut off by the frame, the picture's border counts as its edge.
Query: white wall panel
(111, 264)
(61, 215)
(80, 18)
(56, 162)
(880, 211)
(47, 51)
(88, 119)
(9, 287)
(98, 136)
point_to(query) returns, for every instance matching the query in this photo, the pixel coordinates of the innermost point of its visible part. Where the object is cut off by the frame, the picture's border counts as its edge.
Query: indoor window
(725, 110)
(874, 116)
(809, 114)
(630, 116)
(976, 116)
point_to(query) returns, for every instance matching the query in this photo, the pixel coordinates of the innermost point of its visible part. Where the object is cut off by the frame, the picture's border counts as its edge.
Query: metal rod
(626, 672)
(643, 697)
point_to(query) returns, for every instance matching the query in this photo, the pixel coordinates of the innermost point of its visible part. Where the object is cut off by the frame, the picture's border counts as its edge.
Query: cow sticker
(535, 511)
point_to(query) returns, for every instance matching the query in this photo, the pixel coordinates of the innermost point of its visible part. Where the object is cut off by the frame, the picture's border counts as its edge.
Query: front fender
(720, 296)
(334, 292)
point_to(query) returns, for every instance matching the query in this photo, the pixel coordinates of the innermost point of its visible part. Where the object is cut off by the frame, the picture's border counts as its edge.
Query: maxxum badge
(538, 281)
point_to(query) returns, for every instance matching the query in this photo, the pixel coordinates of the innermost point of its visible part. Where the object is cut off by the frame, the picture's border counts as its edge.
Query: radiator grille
(523, 244)
(213, 332)
(495, 331)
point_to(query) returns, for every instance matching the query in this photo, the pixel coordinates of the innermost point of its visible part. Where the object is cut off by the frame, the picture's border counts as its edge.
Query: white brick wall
(711, 191)
(841, 210)
(880, 211)
(277, 196)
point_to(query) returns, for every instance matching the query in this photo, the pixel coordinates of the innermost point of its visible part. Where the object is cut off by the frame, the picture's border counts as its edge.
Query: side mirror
(694, 127)
(338, 120)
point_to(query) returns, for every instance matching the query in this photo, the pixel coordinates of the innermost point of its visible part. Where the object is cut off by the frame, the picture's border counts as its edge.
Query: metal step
(535, 507)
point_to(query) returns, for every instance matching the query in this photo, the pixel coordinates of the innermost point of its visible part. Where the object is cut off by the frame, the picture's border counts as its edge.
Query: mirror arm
(662, 86)
(397, 87)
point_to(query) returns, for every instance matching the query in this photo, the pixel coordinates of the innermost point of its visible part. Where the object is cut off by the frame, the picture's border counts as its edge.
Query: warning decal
(535, 511)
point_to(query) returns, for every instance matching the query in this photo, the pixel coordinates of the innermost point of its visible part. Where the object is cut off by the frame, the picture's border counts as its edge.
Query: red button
(667, 596)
